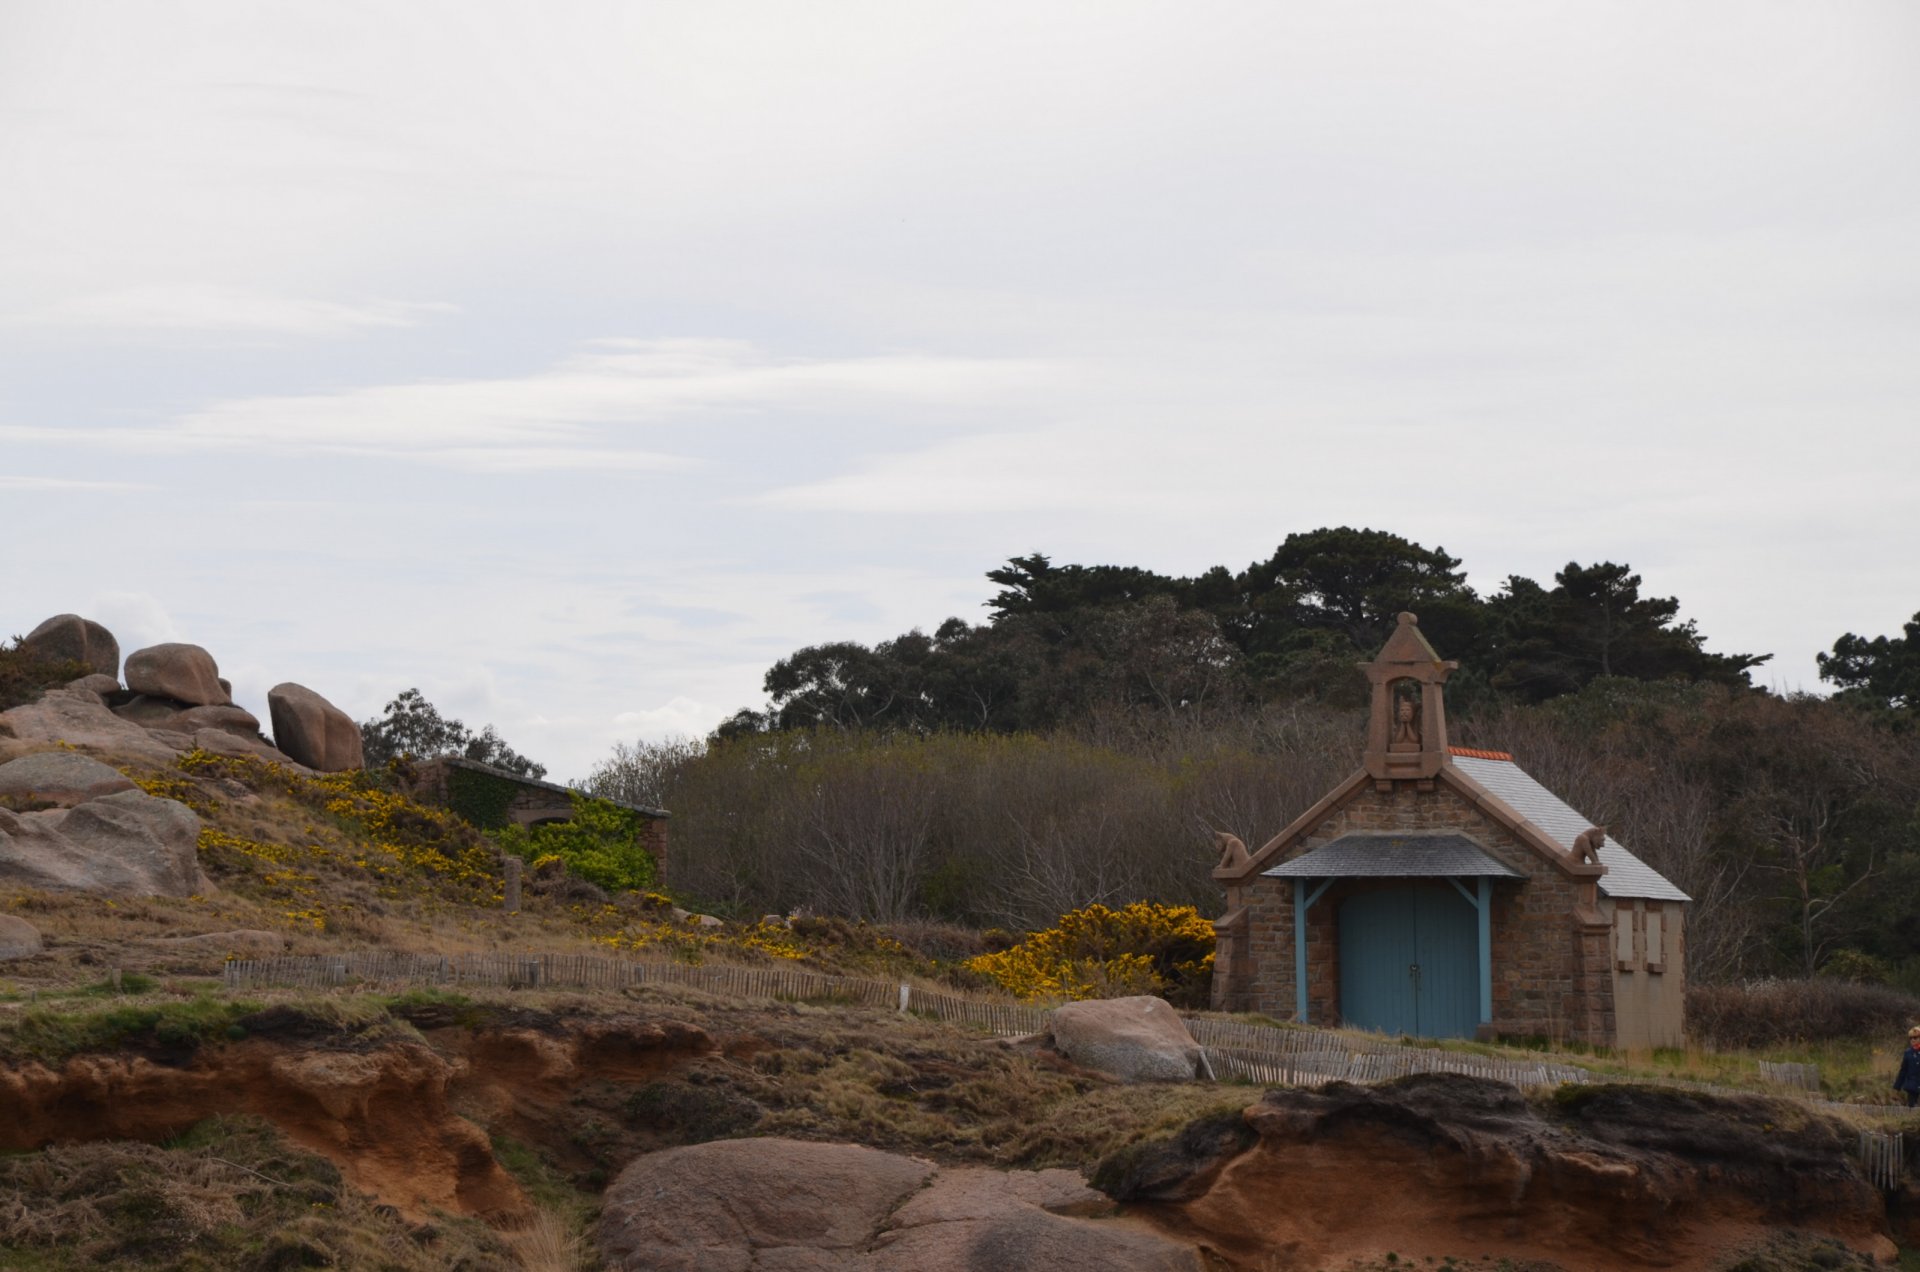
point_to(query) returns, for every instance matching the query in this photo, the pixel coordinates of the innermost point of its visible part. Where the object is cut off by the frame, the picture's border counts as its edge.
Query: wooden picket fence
(558, 971)
(1883, 1158)
(1325, 1055)
(1802, 1077)
(1236, 1049)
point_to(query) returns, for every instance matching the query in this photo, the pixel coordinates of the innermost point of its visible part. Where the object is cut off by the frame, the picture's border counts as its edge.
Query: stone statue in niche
(1586, 846)
(1406, 724)
(1233, 852)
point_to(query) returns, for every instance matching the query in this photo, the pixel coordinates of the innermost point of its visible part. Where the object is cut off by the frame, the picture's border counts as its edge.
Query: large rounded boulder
(127, 844)
(1139, 1039)
(64, 778)
(742, 1205)
(185, 673)
(69, 637)
(312, 730)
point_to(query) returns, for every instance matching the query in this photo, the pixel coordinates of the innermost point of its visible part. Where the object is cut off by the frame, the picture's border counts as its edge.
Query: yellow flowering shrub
(357, 828)
(175, 788)
(617, 928)
(1097, 952)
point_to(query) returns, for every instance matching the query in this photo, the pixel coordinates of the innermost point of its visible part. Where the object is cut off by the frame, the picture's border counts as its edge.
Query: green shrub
(24, 676)
(601, 845)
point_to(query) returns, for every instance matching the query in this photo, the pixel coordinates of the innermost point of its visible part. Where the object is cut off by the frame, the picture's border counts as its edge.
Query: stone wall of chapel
(1545, 980)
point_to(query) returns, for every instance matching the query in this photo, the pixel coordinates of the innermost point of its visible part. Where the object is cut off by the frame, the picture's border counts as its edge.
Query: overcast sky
(575, 361)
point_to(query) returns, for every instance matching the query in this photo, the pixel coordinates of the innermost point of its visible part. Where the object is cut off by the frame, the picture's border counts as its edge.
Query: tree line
(1791, 821)
(1064, 642)
(1083, 743)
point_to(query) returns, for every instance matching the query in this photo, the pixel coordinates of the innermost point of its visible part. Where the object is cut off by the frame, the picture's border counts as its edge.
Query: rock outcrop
(18, 938)
(382, 1115)
(186, 673)
(76, 718)
(393, 1115)
(64, 778)
(127, 844)
(1603, 1178)
(99, 685)
(81, 640)
(735, 1205)
(175, 701)
(177, 717)
(1139, 1039)
(312, 730)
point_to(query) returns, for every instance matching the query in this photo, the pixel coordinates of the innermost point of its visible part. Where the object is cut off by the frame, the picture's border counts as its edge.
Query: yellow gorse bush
(1097, 952)
(405, 848)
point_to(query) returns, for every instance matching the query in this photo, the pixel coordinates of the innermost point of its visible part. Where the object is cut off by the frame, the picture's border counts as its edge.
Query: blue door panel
(1377, 947)
(1410, 962)
(1448, 938)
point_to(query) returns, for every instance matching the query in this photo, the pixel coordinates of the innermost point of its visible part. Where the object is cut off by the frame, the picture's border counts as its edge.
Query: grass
(230, 1195)
(52, 1034)
(556, 1238)
(181, 1025)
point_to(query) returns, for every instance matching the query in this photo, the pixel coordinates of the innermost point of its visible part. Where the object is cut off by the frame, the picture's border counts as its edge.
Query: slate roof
(1626, 876)
(1395, 857)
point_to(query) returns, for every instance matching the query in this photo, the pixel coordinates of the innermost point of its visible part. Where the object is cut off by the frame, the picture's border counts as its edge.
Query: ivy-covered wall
(481, 798)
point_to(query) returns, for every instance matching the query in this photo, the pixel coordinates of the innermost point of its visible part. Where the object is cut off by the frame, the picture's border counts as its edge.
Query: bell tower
(1407, 730)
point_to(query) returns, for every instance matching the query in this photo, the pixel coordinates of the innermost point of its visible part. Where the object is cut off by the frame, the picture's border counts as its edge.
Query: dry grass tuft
(550, 1243)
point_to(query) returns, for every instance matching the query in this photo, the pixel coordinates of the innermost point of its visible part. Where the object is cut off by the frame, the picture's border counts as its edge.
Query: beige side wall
(1649, 984)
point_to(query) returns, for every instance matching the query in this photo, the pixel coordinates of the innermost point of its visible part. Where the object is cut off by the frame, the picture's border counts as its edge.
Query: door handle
(1413, 972)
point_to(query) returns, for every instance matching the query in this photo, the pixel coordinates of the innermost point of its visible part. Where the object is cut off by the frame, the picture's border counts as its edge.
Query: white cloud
(679, 717)
(15, 481)
(136, 619)
(205, 307)
(614, 383)
(575, 416)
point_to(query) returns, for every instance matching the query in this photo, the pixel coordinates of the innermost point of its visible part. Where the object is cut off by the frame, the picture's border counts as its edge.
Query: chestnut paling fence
(1267, 1054)
(1883, 1158)
(1236, 1049)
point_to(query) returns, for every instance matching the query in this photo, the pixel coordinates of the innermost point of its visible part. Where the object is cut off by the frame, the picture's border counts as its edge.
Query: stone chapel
(1442, 892)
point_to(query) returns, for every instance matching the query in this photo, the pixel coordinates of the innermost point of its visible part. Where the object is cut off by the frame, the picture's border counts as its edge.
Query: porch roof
(1390, 856)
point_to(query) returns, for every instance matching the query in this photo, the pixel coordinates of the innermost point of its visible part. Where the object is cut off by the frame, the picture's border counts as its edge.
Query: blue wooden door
(1410, 962)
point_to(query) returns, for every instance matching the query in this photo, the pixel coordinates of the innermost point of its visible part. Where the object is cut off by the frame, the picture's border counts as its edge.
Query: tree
(645, 773)
(842, 685)
(413, 727)
(1034, 585)
(1816, 792)
(1594, 624)
(1883, 672)
(1353, 583)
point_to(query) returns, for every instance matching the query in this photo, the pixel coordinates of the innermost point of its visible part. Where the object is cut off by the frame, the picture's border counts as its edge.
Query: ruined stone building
(1443, 892)
(492, 797)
